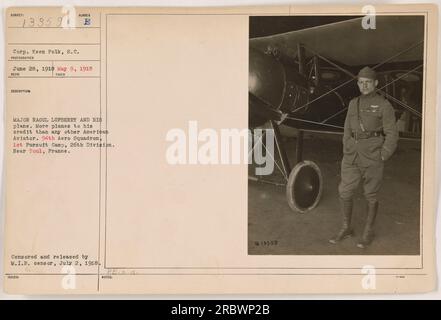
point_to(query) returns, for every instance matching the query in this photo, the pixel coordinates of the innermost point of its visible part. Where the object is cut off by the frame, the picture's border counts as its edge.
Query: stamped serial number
(266, 243)
(41, 22)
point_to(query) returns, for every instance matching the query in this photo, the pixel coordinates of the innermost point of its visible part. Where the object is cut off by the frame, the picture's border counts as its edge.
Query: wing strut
(353, 77)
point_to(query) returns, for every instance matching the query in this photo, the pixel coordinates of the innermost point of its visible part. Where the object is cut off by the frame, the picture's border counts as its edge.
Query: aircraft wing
(349, 43)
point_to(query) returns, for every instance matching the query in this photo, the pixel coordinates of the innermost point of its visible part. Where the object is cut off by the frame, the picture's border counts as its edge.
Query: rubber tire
(293, 204)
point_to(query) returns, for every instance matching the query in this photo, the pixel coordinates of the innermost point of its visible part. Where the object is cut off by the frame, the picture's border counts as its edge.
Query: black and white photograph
(273, 150)
(336, 106)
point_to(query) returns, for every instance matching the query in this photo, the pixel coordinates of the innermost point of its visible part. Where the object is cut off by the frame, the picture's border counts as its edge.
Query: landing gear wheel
(304, 187)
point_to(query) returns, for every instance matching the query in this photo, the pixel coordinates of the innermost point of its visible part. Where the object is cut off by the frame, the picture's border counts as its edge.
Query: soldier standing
(370, 138)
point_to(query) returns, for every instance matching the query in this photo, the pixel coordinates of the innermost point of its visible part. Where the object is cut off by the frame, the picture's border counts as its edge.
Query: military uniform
(370, 138)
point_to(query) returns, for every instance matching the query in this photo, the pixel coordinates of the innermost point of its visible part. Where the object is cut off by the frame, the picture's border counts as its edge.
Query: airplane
(304, 79)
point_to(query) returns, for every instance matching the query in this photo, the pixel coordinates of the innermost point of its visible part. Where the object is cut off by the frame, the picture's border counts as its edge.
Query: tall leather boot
(346, 230)
(368, 233)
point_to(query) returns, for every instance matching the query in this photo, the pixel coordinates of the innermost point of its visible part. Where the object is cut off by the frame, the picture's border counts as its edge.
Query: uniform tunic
(363, 158)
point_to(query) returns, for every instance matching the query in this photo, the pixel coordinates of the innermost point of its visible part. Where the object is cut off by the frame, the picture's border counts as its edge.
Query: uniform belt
(366, 134)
